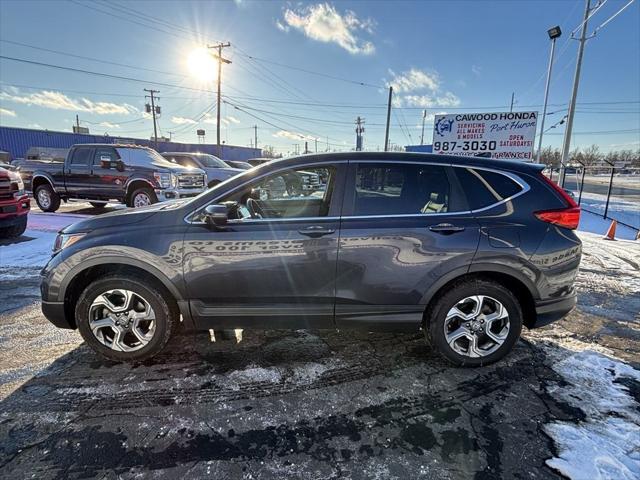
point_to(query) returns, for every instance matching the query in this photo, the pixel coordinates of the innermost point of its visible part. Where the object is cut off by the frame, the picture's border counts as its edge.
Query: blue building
(17, 141)
(419, 148)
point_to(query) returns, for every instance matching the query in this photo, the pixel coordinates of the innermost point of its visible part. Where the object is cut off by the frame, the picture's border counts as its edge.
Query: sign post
(505, 135)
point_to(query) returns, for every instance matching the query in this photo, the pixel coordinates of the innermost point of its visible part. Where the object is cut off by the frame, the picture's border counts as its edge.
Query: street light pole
(554, 34)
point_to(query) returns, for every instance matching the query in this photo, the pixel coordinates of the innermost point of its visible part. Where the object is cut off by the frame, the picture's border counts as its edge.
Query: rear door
(404, 226)
(77, 173)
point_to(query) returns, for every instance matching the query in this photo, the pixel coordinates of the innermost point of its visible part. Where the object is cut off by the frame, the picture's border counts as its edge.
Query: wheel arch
(135, 183)
(523, 289)
(40, 178)
(83, 274)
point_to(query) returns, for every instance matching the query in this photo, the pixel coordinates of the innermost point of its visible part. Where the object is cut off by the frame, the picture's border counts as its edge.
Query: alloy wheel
(44, 198)
(476, 326)
(141, 200)
(122, 320)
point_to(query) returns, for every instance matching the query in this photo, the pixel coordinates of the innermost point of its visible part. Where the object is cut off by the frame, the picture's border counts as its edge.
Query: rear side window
(81, 156)
(484, 188)
(388, 189)
(105, 154)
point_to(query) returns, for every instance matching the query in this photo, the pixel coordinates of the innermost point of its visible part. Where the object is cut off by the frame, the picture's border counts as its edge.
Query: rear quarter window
(484, 188)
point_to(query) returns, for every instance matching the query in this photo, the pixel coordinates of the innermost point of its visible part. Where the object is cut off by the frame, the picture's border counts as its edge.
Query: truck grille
(6, 191)
(191, 180)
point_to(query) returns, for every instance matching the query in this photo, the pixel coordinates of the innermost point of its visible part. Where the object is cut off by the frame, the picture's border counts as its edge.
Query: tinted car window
(484, 188)
(81, 156)
(184, 161)
(387, 189)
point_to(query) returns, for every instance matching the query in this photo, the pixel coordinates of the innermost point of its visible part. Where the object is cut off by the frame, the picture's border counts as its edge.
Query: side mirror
(216, 215)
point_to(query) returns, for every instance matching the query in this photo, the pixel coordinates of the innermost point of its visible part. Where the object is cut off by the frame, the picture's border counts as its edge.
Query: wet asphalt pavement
(292, 404)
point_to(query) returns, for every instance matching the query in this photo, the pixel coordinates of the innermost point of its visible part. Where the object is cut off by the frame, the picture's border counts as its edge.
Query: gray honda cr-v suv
(466, 249)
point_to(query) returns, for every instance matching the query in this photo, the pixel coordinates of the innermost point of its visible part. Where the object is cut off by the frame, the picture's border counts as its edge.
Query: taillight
(568, 217)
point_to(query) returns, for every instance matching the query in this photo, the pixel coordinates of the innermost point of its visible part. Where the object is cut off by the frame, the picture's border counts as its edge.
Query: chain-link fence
(607, 191)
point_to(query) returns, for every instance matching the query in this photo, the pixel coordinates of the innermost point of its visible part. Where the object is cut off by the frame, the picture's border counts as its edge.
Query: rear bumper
(54, 312)
(549, 311)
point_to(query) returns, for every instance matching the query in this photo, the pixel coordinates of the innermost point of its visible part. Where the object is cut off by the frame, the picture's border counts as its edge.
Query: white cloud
(281, 26)
(293, 135)
(476, 70)
(322, 22)
(59, 101)
(182, 121)
(109, 125)
(8, 113)
(413, 80)
(628, 144)
(210, 119)
(35, 125)
(232, 119)
(448, 99)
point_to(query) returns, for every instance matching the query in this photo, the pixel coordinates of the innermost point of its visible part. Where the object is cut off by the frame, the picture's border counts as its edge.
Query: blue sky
(447, 56)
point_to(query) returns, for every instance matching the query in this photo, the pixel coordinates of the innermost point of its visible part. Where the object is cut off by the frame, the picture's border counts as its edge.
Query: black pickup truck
(130, 174)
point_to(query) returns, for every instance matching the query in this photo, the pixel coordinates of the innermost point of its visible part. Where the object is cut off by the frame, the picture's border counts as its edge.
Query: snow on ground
(33, 253)
(606, 444)
(591, 222)
(623, 209)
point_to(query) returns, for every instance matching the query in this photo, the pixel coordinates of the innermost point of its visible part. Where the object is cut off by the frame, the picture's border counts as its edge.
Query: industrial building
(17, 141)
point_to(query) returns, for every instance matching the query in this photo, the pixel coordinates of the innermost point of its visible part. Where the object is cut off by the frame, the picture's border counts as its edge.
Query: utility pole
(359, 132)
(386, 132)
(554, 33)
(566, 144)
(152, 107)
(221, 60)
(513, 94)
(316, 145)
(424, 116)
(77, 124)
(255, 136)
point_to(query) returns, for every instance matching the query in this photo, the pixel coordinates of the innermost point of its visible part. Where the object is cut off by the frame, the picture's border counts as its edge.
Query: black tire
(142, 191)
(45, 191)
(166, 312)
(437, 313)
(98, 205)
(15, 230)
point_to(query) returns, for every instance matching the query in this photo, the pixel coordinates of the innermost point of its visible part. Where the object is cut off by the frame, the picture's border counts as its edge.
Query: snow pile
(34, 253)
(256, 374)
(607, 443)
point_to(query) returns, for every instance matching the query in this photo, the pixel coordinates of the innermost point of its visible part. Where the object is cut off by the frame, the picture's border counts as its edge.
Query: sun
(201, 65)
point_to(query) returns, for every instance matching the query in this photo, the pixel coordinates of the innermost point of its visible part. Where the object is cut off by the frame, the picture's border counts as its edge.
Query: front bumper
(175, 193)
(549, 311)
(13, 212)
(54, 312)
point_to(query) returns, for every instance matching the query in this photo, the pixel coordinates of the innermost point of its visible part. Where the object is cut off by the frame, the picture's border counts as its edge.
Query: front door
(107, 182)
(274, 264)
(404, 226)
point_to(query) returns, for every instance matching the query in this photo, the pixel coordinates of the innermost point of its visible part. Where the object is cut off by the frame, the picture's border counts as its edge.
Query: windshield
(210, 161)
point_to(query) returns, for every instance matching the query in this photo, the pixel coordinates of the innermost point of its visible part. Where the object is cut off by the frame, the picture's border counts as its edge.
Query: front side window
(81, 156)
(105, 154)
(400, 189)
(295, 193)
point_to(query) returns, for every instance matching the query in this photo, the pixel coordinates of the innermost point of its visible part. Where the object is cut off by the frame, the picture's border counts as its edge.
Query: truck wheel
(98, 205)
(126, 318)
(476, 322)
(46, 198)
(16, 230)
(142, 197)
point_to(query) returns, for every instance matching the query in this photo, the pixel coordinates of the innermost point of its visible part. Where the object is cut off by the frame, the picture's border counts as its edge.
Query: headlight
(174, 180)
(163, 179)
(64, 240)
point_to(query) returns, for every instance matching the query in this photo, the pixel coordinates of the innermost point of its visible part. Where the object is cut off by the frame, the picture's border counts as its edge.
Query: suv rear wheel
(475, 323)
(46, 198)
(124, 318)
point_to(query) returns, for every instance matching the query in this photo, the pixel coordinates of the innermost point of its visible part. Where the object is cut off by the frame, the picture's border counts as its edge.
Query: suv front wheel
(124, 318)
(475, 323)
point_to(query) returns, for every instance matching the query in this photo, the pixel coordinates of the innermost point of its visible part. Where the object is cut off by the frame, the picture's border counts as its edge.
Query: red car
(14, 204)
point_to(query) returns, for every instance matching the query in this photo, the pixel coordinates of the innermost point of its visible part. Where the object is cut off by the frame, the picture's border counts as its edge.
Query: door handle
(446, 228)
(316, 231)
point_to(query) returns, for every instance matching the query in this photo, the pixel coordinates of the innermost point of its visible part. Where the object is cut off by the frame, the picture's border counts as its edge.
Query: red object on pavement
(14, 204)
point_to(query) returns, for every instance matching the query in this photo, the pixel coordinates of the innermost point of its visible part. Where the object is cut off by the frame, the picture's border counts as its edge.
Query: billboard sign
(506, 135)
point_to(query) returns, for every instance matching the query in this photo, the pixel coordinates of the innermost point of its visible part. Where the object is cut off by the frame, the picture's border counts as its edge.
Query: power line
(602, 25)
